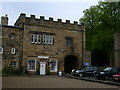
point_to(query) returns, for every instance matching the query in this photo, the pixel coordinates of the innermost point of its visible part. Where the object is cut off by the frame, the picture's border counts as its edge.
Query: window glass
(108, 69)
(51, 39)
(39, 38)
(31, 65)
(46, 39)
(13, 50)
(13, 64)
(1, 50)
(69, 41)
(32, 38)
(53, 66)
(35, 38)
(12, 36)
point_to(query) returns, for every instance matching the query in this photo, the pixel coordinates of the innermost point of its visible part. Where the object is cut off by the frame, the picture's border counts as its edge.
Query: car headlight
(101, 72)
(77, 71)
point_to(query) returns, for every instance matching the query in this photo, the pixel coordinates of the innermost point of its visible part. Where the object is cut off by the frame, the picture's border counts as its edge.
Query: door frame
(43, 62)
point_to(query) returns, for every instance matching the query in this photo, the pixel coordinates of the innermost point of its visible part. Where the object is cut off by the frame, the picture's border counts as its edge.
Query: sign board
(86, 64)
(43, 57)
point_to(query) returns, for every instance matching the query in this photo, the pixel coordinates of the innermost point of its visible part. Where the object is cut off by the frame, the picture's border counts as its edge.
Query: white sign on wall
(43, 57)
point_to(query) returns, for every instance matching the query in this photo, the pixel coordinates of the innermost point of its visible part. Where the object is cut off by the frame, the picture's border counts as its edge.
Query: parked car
(87, 71)
(74, 72)
(116, 77)
(107, 73)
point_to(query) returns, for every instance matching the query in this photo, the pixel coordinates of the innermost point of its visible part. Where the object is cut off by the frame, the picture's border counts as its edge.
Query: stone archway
(70, 62)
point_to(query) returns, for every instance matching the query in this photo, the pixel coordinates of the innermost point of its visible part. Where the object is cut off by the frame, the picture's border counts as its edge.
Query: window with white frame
(36, 38)
(32, 38)
(44, 39)
(31, 65)
(53, 65)
(1, 50)
(13, 64)
(51, 39)
(47, 39)
(13, 50)
(39, 39)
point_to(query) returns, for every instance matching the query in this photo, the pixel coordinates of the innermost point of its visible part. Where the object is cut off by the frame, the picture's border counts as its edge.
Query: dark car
(87, 71)
(108, 73)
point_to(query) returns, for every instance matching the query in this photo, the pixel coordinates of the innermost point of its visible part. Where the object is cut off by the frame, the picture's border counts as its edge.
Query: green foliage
(102, 22)
(48, 69)
(38, 70)
(10, 71)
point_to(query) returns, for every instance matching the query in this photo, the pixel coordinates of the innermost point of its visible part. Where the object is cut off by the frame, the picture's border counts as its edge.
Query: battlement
(32, 20)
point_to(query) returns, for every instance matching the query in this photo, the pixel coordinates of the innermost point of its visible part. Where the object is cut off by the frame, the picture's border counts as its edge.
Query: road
(51, 81)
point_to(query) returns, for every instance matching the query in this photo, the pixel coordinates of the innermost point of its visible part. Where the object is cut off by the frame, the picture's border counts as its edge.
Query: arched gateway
(70, 62)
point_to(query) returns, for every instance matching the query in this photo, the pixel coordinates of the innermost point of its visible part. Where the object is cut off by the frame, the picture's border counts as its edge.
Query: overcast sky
(68, 10)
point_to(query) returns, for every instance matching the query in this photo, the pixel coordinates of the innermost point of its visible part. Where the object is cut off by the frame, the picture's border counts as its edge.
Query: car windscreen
(86, 69)
(108, 69)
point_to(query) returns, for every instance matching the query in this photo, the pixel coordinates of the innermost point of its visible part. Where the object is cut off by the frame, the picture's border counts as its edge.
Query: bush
(10, 71)
(48, 70)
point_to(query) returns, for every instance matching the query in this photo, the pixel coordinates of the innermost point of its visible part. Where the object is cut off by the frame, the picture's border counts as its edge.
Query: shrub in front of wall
(10, 71)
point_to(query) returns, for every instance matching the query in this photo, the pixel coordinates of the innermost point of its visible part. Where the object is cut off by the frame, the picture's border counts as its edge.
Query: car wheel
(106, 78)
(98, 78)
(80, 75)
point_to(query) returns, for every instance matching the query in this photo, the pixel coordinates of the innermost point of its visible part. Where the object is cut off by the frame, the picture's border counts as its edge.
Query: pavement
(93, 79)
(51, 81)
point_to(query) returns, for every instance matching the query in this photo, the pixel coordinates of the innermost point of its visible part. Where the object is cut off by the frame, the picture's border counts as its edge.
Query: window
(53, 65)
(47, 39)
(39, 39)
(69, 41)
(13, 50)
(12, 36)
(32, 38)
(13, 64)
(51, 39)
(32, 65)
(44, 39)
(1, 50)
(36, 38)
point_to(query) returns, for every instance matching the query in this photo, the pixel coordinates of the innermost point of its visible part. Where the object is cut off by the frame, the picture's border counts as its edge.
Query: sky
(66, 10)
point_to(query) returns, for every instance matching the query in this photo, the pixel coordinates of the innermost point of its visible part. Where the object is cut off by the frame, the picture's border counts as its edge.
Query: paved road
(50, 82)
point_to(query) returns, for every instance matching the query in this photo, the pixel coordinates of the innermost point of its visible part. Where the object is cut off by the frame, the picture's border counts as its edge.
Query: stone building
(11, 44)
(117, 50)
(43, 46)
(1, 49)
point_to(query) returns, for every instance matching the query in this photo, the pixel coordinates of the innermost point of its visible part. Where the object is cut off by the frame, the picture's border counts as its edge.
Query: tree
(102, 21)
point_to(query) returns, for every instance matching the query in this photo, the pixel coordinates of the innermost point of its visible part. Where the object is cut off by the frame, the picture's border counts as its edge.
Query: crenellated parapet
(32, 20)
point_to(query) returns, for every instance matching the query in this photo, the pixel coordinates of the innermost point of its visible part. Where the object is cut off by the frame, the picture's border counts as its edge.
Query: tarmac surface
(50, 81)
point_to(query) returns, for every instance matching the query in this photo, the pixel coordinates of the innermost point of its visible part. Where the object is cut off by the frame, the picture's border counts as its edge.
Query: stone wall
(60, 30)
(0, 46)
(117, 50)
(9, 42)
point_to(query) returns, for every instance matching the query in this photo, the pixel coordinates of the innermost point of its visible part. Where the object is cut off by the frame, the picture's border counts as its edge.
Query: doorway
(70, 62)
(42, 68)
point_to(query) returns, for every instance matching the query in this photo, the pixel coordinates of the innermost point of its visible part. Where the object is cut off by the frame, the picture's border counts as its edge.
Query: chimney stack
(4, 20)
